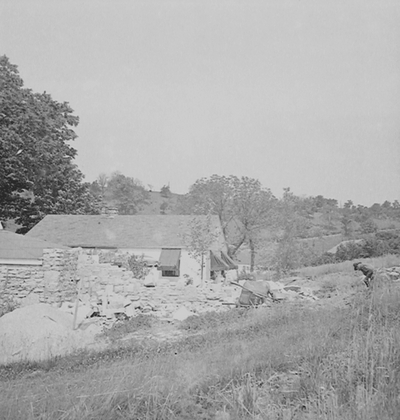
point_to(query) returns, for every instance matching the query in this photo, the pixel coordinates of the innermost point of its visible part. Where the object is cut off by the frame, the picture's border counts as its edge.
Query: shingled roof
(138, 231)
(20, 247)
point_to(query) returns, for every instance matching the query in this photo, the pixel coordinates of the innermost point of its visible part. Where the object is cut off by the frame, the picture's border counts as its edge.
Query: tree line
(127, 195)
(38, 176)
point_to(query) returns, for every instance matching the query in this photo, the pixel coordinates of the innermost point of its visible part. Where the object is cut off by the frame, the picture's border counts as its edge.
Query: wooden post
(78, 293)
(202, 268)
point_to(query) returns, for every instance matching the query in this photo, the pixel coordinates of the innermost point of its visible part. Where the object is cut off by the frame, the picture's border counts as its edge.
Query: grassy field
(347, 266)
(295, 362)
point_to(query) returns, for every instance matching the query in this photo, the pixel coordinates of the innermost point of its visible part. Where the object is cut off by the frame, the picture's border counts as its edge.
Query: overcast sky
(300, 94)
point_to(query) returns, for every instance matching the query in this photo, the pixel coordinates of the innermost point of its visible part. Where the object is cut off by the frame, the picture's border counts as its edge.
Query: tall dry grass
(295, 363)
(347, 266)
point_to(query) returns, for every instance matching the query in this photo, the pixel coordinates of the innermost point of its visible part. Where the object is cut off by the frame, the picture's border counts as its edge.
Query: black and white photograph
(199, 209)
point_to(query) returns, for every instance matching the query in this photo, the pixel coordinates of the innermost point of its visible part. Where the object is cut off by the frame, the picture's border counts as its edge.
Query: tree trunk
(202, 269)
(232, 252)
(252, 255)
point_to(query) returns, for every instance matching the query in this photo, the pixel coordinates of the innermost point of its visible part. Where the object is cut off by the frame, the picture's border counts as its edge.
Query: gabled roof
(138, 231)
(20, 247)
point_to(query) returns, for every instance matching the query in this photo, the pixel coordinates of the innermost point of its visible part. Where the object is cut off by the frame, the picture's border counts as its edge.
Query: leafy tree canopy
(37, 173)
(165, 191)
(210, 195)
(125, 193)
(242, 204)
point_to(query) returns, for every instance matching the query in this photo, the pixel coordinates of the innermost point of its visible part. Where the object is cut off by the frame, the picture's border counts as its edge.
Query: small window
(170, 273)
(169, 262)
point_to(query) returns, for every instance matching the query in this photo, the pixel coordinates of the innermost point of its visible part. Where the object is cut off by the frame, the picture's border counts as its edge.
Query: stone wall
(103, 286)
(17, 282)
(51, 282)
(59, 275)
(96, 278)
(109, 289)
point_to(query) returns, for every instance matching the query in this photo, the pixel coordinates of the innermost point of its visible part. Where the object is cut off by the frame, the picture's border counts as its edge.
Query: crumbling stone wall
(95, 277)
(112, 289)
(65, 273)
(59, 275)
(51, 282)
(16, 283)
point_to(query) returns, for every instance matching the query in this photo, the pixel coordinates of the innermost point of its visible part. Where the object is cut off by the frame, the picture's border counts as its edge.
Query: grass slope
(295, 362)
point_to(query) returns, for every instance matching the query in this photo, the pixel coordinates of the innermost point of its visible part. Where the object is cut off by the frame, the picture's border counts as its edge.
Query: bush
(350, 251)
(377, 245)
(138, 266)
(368, 226)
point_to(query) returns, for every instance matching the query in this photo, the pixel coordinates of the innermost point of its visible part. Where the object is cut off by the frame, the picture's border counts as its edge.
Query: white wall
(188, 265)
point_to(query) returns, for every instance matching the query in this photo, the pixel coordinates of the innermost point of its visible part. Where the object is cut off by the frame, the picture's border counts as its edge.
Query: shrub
(377, 245)
(350, 251)
(138, 266)
(368, 226)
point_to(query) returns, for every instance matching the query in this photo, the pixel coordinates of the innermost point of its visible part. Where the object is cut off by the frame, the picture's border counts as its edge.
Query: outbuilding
(166, 239)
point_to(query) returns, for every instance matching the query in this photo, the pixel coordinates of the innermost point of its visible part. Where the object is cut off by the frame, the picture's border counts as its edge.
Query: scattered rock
(130, 311)
(292, 288)
(182, 313)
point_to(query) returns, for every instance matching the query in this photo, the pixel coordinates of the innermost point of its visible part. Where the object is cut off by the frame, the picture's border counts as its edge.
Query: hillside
(331, 354)
(160, 204)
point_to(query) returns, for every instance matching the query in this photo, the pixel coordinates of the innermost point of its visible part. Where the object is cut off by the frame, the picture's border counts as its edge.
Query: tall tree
(292, 224)
(210, 195)
(254, 210)
(243, 206)
(127, 194)
(199, 239)
(102, 181)
(37, 173)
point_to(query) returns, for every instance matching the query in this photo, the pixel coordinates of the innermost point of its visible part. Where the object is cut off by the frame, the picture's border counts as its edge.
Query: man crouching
(367, 270)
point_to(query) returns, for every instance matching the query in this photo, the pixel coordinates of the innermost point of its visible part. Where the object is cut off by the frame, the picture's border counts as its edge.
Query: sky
(302, 94)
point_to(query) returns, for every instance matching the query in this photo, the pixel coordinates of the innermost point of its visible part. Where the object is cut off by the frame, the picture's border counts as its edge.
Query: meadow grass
(347, 266)
(295, 362)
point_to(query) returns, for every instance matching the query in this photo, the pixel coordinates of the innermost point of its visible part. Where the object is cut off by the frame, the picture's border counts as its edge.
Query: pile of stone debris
(39, 332)
(180, 302)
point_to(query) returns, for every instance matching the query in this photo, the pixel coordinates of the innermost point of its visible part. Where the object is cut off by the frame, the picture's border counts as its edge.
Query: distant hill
(160, 204)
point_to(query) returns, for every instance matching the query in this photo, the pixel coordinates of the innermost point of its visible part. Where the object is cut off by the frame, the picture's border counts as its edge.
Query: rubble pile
(171, 300)
(39, 332)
